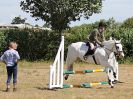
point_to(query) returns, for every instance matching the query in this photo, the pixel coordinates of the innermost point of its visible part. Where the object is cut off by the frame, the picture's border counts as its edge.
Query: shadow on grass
(3, 90)
(45, 88)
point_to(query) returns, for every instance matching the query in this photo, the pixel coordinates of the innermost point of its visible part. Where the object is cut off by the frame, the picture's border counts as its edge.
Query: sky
(118, 9)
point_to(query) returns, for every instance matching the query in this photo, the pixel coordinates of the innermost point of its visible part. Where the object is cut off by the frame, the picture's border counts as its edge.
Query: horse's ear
(110, 38)
(120, 39)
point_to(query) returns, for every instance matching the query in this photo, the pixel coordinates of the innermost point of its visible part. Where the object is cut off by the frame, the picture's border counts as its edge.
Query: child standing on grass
(10, 58)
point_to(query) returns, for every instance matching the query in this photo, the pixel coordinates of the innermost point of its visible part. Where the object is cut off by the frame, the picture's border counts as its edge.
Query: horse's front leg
(114, 64)
(116, 72)
(109, 70)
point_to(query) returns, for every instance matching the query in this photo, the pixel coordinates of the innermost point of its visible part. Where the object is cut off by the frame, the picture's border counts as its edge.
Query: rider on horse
(95, 38)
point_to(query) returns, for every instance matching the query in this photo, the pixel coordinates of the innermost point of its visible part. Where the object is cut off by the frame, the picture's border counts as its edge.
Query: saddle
(89, 51)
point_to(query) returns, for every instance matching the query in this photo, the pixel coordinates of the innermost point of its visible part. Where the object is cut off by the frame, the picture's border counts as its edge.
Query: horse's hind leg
(71, 58)
(69, 68)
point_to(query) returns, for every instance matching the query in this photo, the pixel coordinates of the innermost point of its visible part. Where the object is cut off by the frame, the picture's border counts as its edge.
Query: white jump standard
(56, 70)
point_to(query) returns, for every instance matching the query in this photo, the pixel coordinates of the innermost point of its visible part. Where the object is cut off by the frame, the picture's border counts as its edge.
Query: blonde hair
(11, 44)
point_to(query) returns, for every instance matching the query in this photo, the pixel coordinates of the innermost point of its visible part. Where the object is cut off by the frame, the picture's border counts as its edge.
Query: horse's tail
(71, 56)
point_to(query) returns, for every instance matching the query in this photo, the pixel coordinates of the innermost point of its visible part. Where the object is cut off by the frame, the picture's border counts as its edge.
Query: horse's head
(114, 46)
(118, 48)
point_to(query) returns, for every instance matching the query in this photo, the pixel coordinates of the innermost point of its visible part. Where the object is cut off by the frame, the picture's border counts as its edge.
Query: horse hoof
(66, 77)
(112, 86)
(85, 57)
(115, 82)
(109, 81)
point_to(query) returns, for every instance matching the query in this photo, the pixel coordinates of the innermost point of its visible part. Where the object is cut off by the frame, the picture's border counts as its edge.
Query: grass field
(33, 83)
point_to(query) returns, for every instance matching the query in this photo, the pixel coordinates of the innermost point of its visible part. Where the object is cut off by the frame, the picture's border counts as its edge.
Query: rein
(111, 50)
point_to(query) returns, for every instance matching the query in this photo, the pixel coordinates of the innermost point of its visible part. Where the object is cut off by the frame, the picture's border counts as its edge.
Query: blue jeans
(11, 70)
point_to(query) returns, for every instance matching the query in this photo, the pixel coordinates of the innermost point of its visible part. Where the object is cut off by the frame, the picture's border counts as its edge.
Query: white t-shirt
(10, 57)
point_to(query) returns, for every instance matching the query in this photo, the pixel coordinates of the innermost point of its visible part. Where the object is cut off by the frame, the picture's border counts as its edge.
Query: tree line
(43, 45)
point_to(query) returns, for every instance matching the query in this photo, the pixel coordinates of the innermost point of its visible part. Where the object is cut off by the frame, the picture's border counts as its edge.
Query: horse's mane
(110, 41)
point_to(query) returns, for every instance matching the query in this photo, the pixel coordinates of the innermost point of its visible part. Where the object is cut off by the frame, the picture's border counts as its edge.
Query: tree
(128, 23)
(59, 13)
(46, 25)
(112, 26)
(36, 25)
(18, 20)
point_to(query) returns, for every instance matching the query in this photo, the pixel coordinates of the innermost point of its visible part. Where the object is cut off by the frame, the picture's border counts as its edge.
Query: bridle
(111, 50)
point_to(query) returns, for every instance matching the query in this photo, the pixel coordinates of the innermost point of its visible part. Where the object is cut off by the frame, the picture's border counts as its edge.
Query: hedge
(39, 44)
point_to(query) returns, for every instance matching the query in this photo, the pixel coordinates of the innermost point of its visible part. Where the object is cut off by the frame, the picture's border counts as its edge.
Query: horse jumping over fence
(104, 56)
